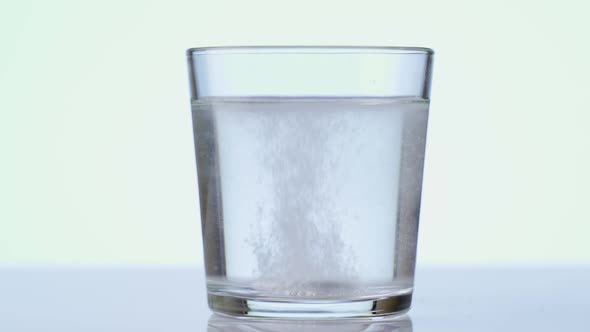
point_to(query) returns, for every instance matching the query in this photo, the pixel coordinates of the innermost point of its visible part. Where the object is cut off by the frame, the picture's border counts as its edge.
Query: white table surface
(173, 299)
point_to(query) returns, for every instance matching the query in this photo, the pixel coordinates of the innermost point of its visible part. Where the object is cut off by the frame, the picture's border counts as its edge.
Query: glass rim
(400, 50)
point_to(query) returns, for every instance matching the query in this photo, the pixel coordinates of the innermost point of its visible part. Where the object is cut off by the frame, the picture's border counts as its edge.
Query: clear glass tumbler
(309, 163)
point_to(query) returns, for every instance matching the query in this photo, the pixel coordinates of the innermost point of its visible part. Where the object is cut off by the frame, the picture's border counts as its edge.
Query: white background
(97, 165)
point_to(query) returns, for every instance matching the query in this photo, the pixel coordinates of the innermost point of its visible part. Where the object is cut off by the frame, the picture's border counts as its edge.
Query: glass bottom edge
(383, 307)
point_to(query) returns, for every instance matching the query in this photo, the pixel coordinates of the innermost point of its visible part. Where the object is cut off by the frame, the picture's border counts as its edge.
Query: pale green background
(96, 146)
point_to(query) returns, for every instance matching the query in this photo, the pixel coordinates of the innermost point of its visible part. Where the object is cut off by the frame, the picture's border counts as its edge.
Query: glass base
(366, 308)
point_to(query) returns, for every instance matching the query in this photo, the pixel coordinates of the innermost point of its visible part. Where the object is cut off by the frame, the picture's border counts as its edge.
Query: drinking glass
(309, 163)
